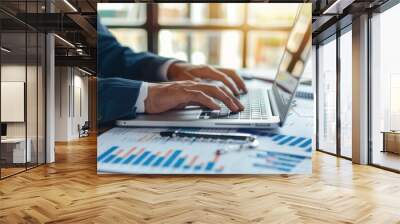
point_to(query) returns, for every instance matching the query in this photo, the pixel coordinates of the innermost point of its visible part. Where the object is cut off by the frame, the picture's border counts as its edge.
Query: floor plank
(70, 191)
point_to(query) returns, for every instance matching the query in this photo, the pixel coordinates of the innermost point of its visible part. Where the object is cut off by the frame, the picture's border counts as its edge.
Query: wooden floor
(70, 191)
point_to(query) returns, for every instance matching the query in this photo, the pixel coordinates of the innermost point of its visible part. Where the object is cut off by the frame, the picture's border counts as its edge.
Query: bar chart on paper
(143, 151)
(169, 161)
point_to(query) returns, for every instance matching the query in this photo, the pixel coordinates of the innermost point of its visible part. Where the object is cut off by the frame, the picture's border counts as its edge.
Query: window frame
(152, 28)
(334, 37)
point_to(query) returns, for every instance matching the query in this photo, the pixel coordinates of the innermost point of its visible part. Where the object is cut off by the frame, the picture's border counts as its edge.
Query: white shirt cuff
(141, 98)
(164, 69)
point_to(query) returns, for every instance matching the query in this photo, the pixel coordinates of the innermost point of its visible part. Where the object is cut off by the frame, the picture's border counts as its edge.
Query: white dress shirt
(140, 107)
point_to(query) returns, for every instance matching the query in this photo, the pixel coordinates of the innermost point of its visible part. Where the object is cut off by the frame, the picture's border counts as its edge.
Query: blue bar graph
(286, 140)
(110, 158)
(171, 159)
(285, 155)
(306, 143)
(278, 137)
(277, 163)
(129, 159)
(149, 160)
(158, 161)
(210, 165)
(265, 166)
(281, 158)
(179, 162)
(117, 160)
(106, 153)
(141, 158)
(198, 167)
(297, 141)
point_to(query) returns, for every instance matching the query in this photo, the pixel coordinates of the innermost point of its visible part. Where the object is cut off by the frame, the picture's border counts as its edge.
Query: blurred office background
(234, 35)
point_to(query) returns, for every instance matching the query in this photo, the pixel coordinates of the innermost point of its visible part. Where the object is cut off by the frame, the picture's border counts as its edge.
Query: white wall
(33, 127)
(71, 102)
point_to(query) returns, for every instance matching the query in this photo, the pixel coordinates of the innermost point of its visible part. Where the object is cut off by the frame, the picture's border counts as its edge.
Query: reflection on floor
(386, 159)
(10, 169)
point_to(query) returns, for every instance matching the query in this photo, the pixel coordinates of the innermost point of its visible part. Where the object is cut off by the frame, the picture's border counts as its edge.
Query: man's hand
(165, 96)
(183, 71)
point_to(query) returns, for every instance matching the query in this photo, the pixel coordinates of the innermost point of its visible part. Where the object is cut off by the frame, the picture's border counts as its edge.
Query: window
(272, 15)
(327, 97)
(122, 14)
(263, 48)
(133, 38)
(233, 35)
(346, 94)
(198, 47)
(385, 86)
(200, 14)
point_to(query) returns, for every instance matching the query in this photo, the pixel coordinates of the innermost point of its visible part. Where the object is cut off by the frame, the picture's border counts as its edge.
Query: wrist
(148, 102)
(174, 69)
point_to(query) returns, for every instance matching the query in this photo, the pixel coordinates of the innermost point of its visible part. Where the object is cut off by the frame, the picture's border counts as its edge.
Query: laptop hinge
(274, 106)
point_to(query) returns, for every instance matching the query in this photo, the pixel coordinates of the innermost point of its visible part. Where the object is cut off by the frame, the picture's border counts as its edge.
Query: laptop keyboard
(256, 106)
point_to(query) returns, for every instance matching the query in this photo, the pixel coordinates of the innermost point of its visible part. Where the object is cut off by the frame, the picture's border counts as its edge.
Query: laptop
(265, 107)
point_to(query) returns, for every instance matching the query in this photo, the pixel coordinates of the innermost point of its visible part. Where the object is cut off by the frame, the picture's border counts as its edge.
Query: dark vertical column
(152, 27)
(37, 89)
(26, 86)
(369, 79)
(44, 70)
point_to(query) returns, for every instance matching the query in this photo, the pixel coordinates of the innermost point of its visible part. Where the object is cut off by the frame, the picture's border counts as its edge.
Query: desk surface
(390, 132)
(284, 150)
(13, 140)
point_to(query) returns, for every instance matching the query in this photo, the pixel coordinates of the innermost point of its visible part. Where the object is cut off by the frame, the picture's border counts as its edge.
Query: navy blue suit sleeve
(119, 69)
(116, 99)
(115, 60)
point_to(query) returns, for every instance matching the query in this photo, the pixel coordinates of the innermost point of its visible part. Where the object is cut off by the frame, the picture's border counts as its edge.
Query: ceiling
(331, 15)
(76, 23)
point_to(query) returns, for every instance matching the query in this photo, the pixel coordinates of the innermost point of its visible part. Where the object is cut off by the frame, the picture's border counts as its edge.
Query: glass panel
(327, 97)
(13, 73)
(41, 99)
(265, 49)
(346, 94)
(31, 99)
(122, 13)
(386, 89)
(201, 13)
(272, 15)
(133, 38)
(222, 48)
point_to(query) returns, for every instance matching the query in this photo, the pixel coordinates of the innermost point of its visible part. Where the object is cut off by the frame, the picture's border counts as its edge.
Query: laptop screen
(294, 59)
